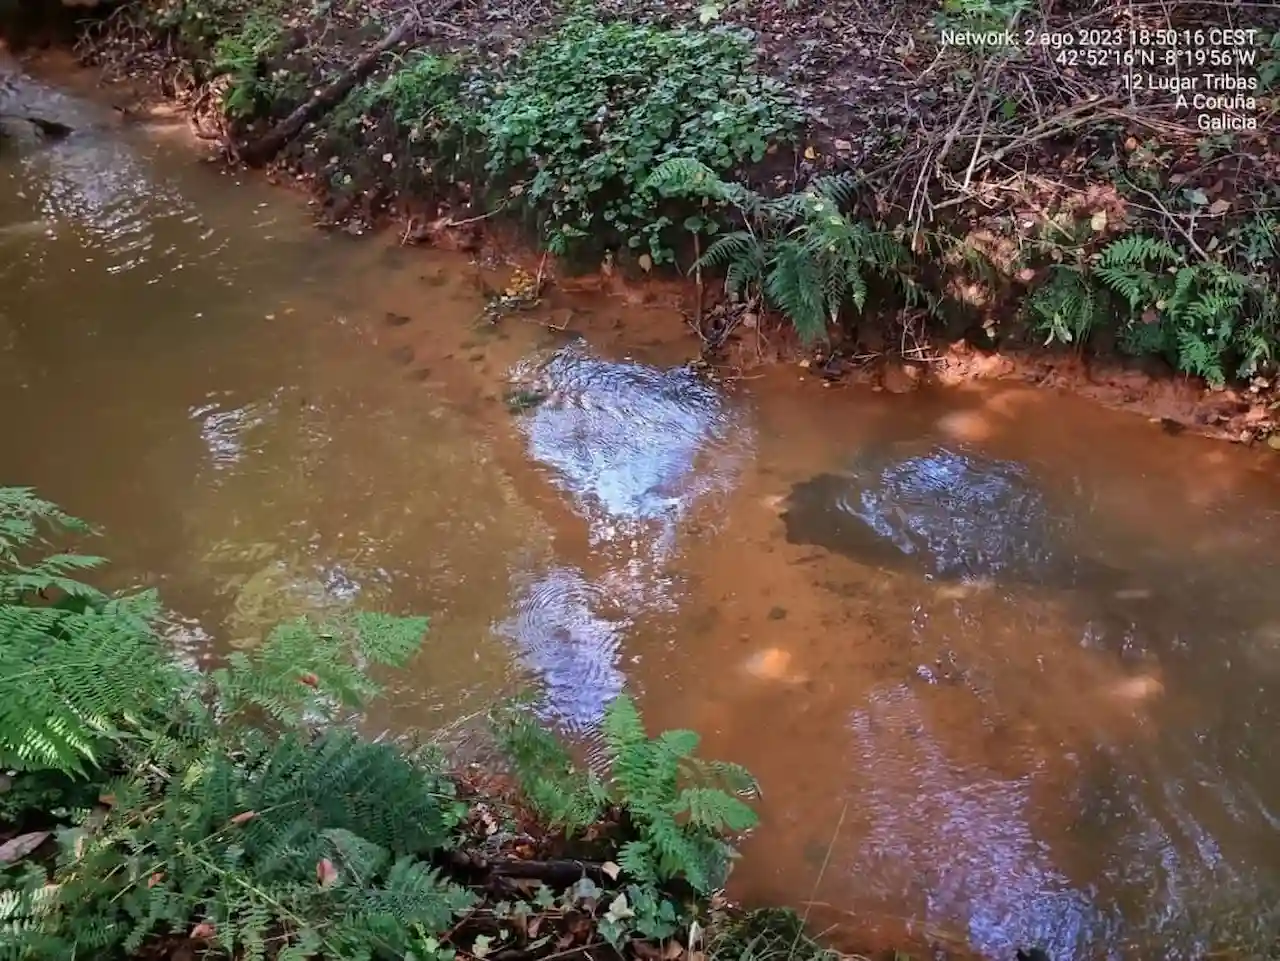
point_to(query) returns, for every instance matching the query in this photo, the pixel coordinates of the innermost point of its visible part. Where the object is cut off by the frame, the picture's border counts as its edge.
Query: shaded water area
(1006, 665)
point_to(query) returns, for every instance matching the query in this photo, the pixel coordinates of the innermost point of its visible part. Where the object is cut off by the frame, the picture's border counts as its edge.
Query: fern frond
(561, 794)
(308, 670)
(1139, 250)
(716, 811)
(687, 177)
(794, 285)
(840, 189)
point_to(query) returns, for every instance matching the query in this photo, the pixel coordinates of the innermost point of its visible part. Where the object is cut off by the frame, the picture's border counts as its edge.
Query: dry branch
(326, 98)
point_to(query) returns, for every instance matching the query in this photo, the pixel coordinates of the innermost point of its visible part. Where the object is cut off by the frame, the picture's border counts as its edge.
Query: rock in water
(951, 515)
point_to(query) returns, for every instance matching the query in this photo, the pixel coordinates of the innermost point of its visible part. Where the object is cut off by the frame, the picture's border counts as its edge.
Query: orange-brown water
(267, 420)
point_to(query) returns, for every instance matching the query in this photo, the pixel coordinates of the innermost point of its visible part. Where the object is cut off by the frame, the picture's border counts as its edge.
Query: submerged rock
(949, 515)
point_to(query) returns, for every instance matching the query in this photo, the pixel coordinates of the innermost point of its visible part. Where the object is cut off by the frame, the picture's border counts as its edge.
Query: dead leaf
(155, 879)
(695, 935)
(1098, 221)
(326, 873)
(646, 262)
(15, 849)
(244, 817)
(672, 950)
(1219, 207)
(810, 153)
(203, 931)
(310, 680)
(611, 869)
(619, 909)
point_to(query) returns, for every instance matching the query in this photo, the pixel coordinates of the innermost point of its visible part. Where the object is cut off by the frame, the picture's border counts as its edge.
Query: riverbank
(1000, 213)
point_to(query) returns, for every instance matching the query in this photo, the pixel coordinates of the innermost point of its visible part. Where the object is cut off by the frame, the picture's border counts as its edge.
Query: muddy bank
(388, 140)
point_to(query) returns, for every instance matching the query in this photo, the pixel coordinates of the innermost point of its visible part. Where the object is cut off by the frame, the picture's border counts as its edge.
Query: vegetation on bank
(150, 808)
(1004, 193)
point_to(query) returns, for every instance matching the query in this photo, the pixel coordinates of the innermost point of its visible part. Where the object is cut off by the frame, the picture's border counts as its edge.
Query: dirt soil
(886, 98)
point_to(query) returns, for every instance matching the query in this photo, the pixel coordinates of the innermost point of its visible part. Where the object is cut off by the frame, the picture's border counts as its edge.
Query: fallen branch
(560, 873)
(326, 98)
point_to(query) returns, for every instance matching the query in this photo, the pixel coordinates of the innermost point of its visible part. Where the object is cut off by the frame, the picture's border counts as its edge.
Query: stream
(1006, 665)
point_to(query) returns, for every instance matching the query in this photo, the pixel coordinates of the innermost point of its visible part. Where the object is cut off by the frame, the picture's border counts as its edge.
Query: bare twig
(1172, 219)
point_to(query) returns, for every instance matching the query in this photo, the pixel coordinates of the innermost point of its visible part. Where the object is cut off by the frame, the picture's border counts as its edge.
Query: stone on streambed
(952, 516)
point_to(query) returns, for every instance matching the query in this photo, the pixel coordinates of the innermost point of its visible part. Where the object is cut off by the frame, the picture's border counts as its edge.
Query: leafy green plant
(1207, 319)
(196, 23)
(234, 807)
(678, 809)
(978, 16)
(239, 55)
(76, 667)
(1067, 305)
(1268, 68)
(425, 94)
(565, 796)
(808, 258)
(586, 113)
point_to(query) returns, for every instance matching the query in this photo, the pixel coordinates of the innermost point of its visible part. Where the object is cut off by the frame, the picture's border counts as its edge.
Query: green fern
(679, 808)
(307, 667)
(566, 797)
(1208, 320)
(1067, 306)
(286, 841)
(679, 830)
(238, 805)
(808, 259)
(689, 178)
(76, 668)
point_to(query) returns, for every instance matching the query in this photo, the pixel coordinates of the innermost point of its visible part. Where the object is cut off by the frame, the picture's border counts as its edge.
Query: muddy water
(1006, 666)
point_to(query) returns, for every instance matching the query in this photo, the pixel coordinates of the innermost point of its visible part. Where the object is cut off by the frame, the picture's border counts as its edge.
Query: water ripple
(639, 449)
(569, 635)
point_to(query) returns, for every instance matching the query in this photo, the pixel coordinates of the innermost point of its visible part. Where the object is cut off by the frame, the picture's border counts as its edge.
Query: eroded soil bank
(1021, 213)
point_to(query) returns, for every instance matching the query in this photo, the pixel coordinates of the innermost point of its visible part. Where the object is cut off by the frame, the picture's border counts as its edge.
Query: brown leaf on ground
(326, 873)
(15, 849)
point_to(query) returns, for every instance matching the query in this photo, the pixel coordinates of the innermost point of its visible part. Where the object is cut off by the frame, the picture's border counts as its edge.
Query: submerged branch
(52, 129)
